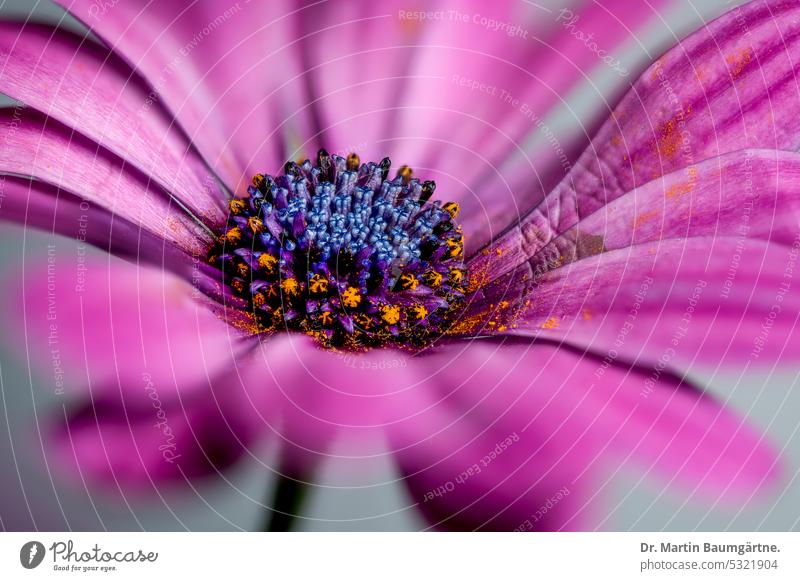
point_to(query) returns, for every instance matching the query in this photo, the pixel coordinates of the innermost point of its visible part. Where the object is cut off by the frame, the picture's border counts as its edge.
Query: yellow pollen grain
(318, 284)
(234, 236)
(259, 180)
(738, 61)
(468, 325)
(479, 279)
(245, 322)
(676, 192)
(670, 139)
(351, 297)
(256, 225)
(419, 312)
(242, 269)
(364, 321)
(319, 336)
(452, 208)
(267, 263)
(390, 314)
(642, 218)
(455, 247)
(433, 278)
(326, 318)
(236, 206)
(259, 300)
(408, 282)
(406, 173)
(551, 323)
(290, 287)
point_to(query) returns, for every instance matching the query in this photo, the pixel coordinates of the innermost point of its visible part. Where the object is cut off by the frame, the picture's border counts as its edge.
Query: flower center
(341, 252)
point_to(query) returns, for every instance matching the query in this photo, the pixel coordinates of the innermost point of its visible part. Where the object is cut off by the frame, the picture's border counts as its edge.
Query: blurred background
(34, 496)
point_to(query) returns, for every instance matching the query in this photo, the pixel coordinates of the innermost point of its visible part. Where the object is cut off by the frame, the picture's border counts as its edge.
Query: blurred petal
(229, 72)
(522, 436)
(108, 323)
(144, 368)
(133, 441)
(432, 87)
(71, 79)
(321, 395)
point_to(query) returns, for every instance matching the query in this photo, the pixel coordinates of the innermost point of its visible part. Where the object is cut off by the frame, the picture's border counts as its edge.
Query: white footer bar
(401, 556)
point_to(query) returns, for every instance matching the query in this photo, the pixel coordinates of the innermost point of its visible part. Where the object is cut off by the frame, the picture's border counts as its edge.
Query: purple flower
(509, 319)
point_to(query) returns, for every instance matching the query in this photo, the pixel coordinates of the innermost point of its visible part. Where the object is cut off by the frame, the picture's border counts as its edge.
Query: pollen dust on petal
(495, 318)
(240, 320)
(479, 276)
(551, 323)
(669, 140)
(644, 217)
(678, 191)
(738, 61)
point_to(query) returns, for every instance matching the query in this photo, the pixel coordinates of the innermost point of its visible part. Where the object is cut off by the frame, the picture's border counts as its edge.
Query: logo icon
(31, 554)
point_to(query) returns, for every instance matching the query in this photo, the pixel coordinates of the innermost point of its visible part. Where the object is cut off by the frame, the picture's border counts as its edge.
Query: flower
(509, 350)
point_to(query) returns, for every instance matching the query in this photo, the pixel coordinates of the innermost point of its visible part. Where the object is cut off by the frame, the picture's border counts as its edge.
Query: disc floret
(340, 251)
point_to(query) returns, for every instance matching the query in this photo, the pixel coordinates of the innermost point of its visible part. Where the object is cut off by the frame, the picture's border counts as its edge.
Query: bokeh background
(34, 496)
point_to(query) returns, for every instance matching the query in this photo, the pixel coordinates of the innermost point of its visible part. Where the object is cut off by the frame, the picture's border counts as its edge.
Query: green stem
(287, 500)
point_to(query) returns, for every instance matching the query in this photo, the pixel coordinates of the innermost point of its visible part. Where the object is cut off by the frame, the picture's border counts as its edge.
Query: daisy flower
(362, 222)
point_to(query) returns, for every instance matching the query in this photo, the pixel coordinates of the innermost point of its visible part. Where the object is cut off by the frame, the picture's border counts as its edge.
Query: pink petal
(524, 436)
(139, 440)
(110, 323)
(229, 72)
(145, 370)
(92, 92)
(40, 205)
(747, 193)
(723, 89)
(321, 395)
(714, 301)
(45, 150)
